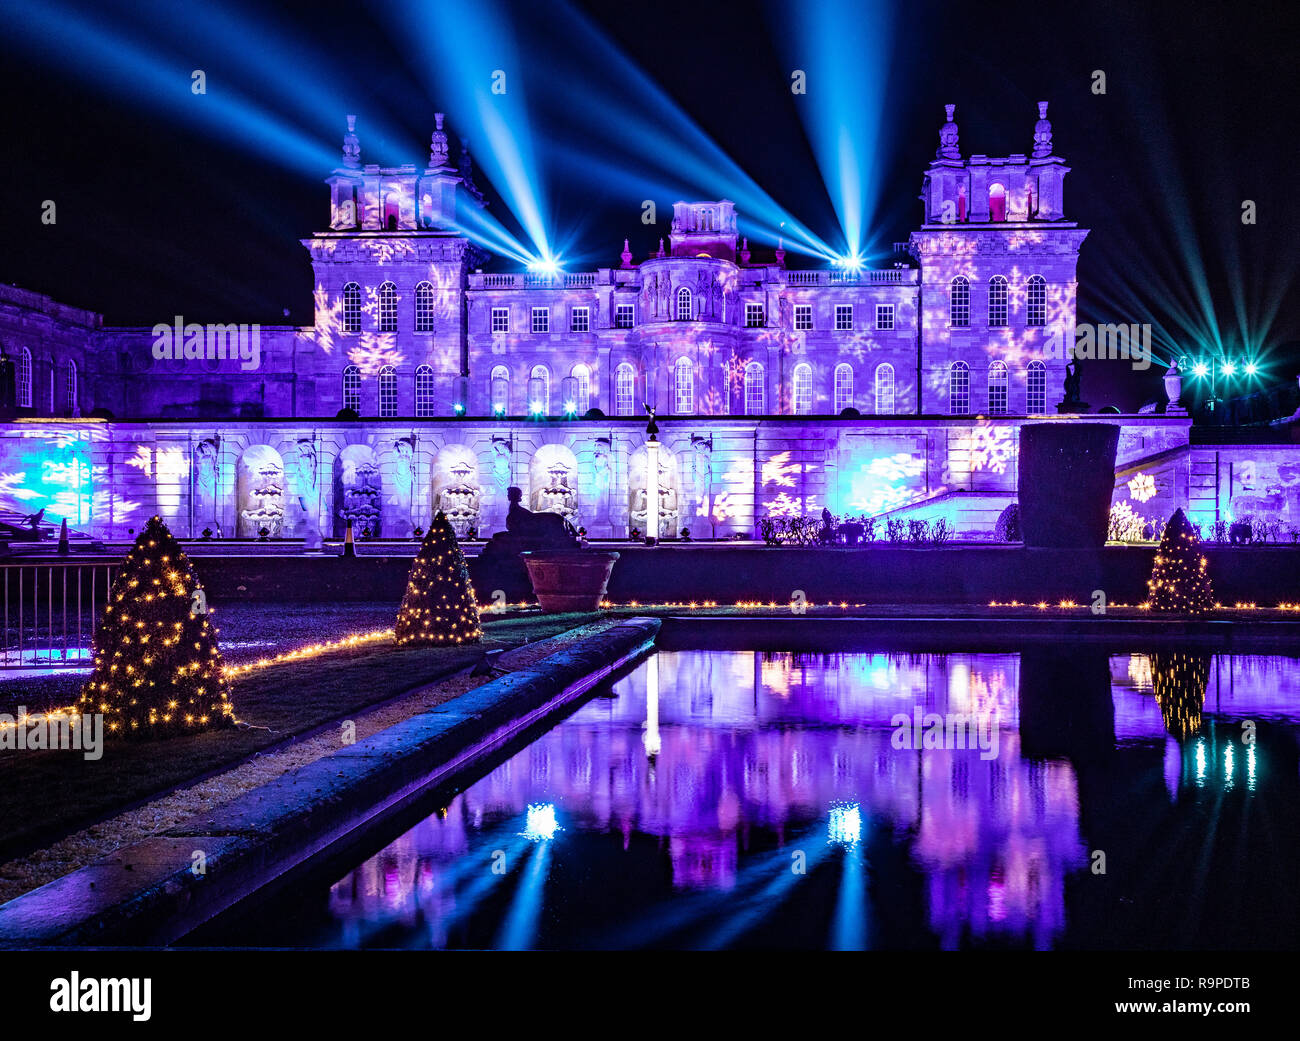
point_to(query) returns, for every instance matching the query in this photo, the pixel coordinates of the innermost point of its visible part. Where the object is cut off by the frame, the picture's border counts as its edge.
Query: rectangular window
(802, 317)
(843, 317)
(754, 316)
(580, 320)
(500, 319)
(884, 316)
(624, 316)
(541, 319)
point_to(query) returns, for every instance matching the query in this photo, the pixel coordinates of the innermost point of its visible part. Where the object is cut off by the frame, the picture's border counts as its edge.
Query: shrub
(895, 529)
(1007, 528)
(940, 532)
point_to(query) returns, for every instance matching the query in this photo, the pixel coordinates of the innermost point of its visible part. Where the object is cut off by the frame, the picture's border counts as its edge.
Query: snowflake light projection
(1142, 487)
(885, 483)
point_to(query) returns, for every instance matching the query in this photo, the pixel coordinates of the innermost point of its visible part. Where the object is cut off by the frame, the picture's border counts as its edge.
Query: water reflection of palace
(699, 749)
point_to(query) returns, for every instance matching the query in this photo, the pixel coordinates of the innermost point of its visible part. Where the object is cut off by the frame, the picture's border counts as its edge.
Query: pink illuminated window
(997, 202)
(500, 385)
(582, 395)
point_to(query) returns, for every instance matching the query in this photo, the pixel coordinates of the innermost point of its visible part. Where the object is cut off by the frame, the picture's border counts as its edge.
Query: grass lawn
(45, 795)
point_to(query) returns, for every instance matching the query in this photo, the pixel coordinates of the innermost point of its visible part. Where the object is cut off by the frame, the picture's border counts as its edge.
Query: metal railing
(50, 611)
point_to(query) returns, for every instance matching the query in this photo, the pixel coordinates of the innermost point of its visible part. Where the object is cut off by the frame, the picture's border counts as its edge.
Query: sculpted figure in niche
(602, 469)
(501, 462)
(304, 472)
(259, 492)
(403, 478)
(358, 491)
(553, 476)
(456, 490)
(205, 484)
(638, 495)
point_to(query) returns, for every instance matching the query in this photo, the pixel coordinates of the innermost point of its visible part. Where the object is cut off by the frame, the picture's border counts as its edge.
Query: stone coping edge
(148, 894)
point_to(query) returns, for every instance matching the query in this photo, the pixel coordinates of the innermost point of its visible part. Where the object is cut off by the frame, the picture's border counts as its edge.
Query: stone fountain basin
(569, 579)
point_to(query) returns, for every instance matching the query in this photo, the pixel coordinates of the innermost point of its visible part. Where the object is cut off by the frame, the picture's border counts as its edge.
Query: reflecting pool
(1045, 798)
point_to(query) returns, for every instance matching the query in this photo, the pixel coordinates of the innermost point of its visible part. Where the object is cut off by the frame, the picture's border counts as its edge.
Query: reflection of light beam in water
(850, 922)
(519, 930)
(685, 912)
(747, 913)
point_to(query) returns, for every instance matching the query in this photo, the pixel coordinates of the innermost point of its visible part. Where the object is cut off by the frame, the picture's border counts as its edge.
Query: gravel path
(96, 842)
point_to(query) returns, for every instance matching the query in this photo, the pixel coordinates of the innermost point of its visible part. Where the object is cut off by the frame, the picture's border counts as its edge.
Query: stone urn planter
(1066, 477)
(569, 579)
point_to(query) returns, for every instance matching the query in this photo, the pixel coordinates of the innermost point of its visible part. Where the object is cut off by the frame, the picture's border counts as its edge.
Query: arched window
(24, 378)
(843, 387)
(424, 307)
(803, 389)
(997, 301)
(539, 391)
(684, 387)
(684, 309)
(582, 399)
(352, 388)
(424, 392)
(1036, 388)
(959, 389)
(959, 303)
(755, 390)
(500, 386)
(352, 308)
(388, 308)
(70, 392)
(1036, 310)
(387, 392)
(885, 389)
(997, 388)
(997, 201)
(624, 390)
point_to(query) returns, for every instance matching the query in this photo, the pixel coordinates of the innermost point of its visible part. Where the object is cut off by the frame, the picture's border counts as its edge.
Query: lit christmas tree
(1178, 580)
(439, 605)
(158, 670)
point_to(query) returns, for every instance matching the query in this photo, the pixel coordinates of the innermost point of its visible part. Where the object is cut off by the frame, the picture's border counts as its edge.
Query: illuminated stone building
(427, 383)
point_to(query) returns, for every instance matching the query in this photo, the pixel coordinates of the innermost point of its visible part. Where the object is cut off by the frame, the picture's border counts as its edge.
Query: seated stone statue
(549, 528)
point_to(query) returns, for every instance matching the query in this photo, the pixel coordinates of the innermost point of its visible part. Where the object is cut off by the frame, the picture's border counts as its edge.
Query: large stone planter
(1066, 477)
(569, 579)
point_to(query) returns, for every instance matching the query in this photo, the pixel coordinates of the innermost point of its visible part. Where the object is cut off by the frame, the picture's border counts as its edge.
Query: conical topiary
(439, 605)
(1178, 580)
(158, 670)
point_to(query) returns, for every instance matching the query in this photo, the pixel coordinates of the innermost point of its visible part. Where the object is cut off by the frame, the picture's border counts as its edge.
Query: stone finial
(352, 146)
(661, 248)
(438, 144)
(626, 255)
(948, 148)
(1042, 133)
(744, 251)
(780, 252)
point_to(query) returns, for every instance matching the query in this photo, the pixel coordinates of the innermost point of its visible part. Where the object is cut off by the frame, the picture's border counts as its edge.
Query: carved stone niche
(638, 494)
(259, 492)
(457, 491)
(358, 491)
(553, 482)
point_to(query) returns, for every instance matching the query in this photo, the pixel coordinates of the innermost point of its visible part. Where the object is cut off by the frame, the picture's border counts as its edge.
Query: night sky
(159, 215)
